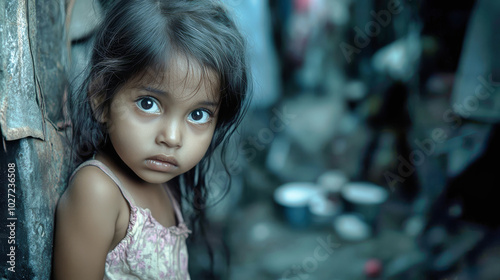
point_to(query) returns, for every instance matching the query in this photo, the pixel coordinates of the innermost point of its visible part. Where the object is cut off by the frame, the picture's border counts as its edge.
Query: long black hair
(140, 35)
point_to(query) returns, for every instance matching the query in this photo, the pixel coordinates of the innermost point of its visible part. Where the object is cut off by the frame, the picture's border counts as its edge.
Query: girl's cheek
(119, 109)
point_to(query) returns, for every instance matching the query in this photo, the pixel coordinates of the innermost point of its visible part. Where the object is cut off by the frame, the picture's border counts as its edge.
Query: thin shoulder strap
(177, 209)
(107, 171)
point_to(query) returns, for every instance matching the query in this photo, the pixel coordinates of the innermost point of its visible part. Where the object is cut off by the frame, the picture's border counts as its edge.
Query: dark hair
(138, 35)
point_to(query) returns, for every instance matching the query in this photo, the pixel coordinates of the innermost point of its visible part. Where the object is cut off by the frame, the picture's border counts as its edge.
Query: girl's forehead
(183, 76)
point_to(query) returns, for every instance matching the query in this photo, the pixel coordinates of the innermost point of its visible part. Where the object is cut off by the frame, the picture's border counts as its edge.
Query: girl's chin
(156, 178)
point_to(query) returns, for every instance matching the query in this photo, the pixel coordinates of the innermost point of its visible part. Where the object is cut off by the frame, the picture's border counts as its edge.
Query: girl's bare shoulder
(91, 187)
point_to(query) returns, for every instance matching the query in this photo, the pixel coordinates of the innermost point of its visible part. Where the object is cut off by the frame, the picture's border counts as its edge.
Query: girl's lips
(162, 163)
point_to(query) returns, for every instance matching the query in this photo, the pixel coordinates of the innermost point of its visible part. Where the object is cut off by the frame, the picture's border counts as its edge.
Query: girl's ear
(99, 108)
(97, 101)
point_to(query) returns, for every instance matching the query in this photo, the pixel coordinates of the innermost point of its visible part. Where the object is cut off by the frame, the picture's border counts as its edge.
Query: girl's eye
(200, 116)
(148, 105)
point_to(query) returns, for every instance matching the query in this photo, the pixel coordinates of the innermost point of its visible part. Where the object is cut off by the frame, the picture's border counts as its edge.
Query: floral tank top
(149, 250)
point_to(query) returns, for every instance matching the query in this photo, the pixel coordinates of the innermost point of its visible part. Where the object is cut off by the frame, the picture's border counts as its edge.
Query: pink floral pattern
(149, 250)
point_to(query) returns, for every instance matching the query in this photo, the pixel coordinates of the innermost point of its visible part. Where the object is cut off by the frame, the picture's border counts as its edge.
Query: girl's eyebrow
(208, 104)
(154, 90)
(161, 92)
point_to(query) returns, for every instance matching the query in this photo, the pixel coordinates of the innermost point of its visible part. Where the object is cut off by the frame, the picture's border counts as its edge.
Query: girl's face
(162, 128)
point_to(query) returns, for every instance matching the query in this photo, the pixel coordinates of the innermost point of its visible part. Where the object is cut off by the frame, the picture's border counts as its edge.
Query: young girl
(167, 85)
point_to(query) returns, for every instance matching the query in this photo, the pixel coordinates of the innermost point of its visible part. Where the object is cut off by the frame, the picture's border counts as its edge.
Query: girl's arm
(85, 225)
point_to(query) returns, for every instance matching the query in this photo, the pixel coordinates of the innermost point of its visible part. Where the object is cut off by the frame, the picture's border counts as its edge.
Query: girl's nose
(170, 134)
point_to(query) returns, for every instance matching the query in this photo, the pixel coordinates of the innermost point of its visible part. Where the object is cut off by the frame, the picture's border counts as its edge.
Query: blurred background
(368, 151)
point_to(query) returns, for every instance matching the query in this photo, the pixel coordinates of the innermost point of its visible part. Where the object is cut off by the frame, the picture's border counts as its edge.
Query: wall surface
(34, 59)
